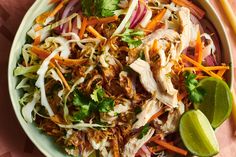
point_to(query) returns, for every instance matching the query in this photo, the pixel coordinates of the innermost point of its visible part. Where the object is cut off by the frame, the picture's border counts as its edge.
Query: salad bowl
(45, 143)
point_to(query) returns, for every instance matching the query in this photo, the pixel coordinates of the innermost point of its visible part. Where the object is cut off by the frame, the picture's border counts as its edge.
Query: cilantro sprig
(144, 131)
(83, 105)
(130, 36)
(100, 8)
(96, 102)
(105, 104)
(97, 94)
(196, 93)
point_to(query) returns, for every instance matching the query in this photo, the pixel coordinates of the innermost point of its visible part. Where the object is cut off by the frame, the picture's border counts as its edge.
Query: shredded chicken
(163, 73)
(127, 84)
(118, 109)
(149, 83)
(146, 76)
(186, 34)
(174, 115)
(134, 144)
(149, 108)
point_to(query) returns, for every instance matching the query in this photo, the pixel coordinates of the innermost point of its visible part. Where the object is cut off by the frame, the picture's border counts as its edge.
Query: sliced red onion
(134, 14)
(210, 29)
(189, 51)
(146, 18)
(68, 8)
(140, 153)
(128, 15)
(74, 26)
(65, 28)
(146, 151)
(210, 61)
(141, 11)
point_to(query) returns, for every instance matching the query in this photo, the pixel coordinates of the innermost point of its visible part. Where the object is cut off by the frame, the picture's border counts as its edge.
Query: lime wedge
(217, 102)
(197, 134)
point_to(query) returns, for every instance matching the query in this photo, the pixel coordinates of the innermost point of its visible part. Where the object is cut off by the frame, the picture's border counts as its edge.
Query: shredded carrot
(200, 66)
(41, 18)
(91, 30)
(155, 21)
(38, 28)
(83, 27)
(195, 10)
(198, 48)
(151, 150)
(61, 76)
(156, 137)
(211, 68)
(58, 8)
(37, 40)
(54, 1)
(42, 54)
(156, 115)
(182, 96)
(95, 21)
(70, 26)
(115, 145)
(221, 72)
(171, 147)
(155, 149)
(154, 46)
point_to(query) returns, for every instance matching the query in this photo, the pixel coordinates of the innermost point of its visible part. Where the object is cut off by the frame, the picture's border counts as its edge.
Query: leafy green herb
(87, 7)
(28, 40)
(142, 55)
(70, 147)
(144, 131)
(137, 110)
(130, 37)
(98, 94)
(83, 104)
(96, 102)
(79, 99)
(100, 8)
(195, 92)
(106, 105)
(83, 112)
(106, 7)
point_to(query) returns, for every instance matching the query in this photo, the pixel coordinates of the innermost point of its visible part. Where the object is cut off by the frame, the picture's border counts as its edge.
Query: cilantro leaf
(196, 93)
(137, 110)
(100, 8)
(142, 55)
(86, 105)
(129, 37)
(83, 112)
(106, 8)
(87, 7)
(82, 104)
(79, 99)
(144, 131)
(97, 94)
(106, 105)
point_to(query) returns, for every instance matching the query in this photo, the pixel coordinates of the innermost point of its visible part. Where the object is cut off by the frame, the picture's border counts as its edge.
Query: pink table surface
(13, 141)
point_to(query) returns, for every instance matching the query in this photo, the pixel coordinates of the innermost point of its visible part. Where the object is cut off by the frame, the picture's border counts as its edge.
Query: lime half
(197, 134)
(217, 102)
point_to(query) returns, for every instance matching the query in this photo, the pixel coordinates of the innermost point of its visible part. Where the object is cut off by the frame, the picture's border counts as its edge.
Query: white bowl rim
(11, 56)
